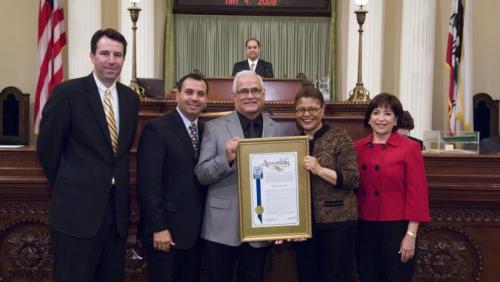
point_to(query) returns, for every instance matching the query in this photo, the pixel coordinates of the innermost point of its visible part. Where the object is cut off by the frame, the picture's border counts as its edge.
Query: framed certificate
(274, 190)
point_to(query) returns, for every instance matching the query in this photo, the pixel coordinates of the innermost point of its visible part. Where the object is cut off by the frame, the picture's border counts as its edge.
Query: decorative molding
(447, 253)
(41, 208)
(466, 216)
(135, 260)
(163, 105)
(416, 72)
(28, 209)
(25, 251)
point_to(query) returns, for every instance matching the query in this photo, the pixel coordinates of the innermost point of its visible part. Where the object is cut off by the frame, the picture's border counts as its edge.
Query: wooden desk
(460, 244)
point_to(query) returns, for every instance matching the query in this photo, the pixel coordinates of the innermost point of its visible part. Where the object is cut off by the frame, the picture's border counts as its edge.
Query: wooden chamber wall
(460, 244)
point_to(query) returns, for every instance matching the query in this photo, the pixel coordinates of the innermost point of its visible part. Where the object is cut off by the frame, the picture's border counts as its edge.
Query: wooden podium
(277, 89)
(280, 95)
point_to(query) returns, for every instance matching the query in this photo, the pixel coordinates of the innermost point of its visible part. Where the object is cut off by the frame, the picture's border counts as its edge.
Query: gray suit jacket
(221, 222)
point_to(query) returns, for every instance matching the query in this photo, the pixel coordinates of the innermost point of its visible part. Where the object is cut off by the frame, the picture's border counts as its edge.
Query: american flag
(459, 62)
(51, 41)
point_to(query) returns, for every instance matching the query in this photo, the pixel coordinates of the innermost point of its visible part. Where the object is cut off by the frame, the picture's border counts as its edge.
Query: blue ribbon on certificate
(258, 174)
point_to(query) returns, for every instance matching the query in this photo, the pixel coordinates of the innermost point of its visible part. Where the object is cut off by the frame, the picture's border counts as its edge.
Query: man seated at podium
(253, 61)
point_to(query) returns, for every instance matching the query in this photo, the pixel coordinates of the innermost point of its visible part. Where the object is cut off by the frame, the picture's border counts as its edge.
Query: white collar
(254, 62)
(185, 120)
(101, 87)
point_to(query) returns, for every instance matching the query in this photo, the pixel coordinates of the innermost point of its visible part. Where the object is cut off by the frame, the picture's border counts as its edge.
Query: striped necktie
(110, 119)
(193, 133)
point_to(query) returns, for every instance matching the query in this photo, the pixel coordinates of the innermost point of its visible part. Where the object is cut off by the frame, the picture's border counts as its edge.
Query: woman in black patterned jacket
(329, 254)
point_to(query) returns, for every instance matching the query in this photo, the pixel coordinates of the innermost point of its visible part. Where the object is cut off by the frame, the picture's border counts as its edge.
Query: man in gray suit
(216, 168)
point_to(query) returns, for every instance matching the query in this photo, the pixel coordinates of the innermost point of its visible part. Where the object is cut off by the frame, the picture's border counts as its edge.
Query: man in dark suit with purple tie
(171, 198)
(253, 61)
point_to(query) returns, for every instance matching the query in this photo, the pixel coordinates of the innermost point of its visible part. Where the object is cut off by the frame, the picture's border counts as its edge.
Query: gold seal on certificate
(259, 210)
(274, 188)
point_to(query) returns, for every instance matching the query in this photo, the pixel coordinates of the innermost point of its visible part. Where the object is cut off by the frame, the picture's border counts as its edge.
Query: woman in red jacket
(392, 195)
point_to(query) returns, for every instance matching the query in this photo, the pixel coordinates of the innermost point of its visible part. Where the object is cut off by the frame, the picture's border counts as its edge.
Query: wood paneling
(277, 89)
(460, 244)
(343, 115)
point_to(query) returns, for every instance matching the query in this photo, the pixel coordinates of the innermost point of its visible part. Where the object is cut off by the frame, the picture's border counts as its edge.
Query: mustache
(249, 100)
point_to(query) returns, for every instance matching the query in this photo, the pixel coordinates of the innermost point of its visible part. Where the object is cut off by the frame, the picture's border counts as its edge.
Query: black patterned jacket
(332, 204)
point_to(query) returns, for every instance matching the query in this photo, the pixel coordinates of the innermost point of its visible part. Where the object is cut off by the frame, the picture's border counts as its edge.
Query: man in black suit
(253, 61)
(490, 145)
(86, 132)
(170, 196)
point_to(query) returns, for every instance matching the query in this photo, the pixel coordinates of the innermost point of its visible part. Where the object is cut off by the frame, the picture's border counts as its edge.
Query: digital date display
(253, 3)
(272, 7)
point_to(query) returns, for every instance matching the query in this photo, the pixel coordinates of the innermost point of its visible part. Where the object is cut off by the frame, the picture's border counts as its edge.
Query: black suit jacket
(264, 69)
(76, 155)
(169, 193)
(490, 145)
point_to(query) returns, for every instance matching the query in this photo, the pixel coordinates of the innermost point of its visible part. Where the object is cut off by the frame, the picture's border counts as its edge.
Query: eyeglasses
(253, 91)
(311, 110)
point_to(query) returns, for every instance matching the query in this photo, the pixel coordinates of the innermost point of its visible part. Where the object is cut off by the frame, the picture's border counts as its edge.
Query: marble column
(84, 18)
(416, 72)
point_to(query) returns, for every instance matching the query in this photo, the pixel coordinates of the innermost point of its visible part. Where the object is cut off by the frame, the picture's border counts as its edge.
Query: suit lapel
(180, 131)
(97, 108)
(126, 127)
(233, 125)
(259, 67)
(267, 127)
(201, 127)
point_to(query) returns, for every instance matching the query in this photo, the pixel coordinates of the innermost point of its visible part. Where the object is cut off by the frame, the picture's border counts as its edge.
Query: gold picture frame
(274, 189)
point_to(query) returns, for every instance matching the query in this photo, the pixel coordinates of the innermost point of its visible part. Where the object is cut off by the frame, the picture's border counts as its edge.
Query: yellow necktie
(110, 119)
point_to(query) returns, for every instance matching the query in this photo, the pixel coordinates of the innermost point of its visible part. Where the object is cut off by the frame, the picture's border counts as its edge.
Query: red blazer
(392, 183)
